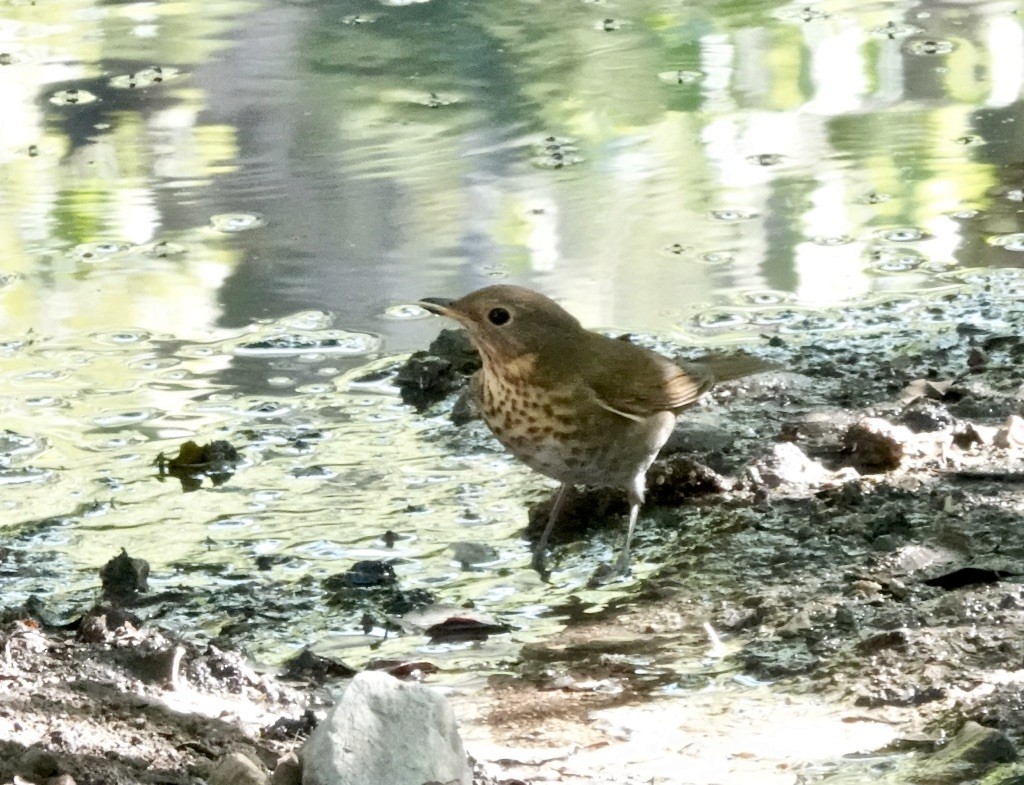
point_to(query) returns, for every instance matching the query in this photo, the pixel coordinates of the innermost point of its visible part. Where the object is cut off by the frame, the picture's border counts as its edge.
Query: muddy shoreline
(861, 546)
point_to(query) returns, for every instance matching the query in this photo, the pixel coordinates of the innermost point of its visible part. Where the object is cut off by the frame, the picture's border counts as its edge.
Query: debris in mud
(968, 576)
(289, 728)
(123, 577)
(874, 445)
(100, 623)
(676, 479)
(972, 435)
(149, 656)
(92, 710)
(889, 639)
(924, 415)
(216, 460)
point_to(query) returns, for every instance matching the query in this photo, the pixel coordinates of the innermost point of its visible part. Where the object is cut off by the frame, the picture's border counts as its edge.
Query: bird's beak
(441, 306)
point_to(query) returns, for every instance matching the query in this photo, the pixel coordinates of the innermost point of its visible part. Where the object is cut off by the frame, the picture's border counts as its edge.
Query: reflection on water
(214, 213)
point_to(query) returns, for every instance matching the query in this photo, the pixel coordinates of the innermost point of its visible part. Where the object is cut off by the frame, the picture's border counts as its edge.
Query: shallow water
(214, 214)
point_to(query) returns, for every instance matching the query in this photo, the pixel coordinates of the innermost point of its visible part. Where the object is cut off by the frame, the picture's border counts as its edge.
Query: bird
(574, 405)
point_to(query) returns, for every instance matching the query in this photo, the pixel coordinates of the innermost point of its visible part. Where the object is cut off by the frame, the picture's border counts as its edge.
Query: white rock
(787, 463)
(383, 730)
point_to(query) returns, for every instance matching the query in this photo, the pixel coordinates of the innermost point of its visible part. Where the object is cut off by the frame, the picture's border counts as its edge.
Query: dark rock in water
(889, 639)
(448, 624)
(874, 445)
(314, 667)
(428, 377)
(216, 460)
(974, 751)
(372, 587)
(925, 416)
(215, 457)
(456, 347)
(386, 731)
(364, 574)
(124, 577)
(463, 628)
(424, 380)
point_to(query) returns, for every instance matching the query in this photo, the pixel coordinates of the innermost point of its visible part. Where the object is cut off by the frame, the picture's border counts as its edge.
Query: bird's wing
(637, 383)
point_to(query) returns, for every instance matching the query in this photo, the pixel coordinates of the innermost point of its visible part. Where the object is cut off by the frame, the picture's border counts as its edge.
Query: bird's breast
(559, 431)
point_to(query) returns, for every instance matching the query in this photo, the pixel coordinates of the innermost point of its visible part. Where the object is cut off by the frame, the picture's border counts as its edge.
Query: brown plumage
(574, 405)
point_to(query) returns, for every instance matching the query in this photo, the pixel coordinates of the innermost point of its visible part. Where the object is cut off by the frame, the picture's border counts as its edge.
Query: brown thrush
(574, 405)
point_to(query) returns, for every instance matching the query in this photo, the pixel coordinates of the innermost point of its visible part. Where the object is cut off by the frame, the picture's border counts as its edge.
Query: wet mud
(841, 534)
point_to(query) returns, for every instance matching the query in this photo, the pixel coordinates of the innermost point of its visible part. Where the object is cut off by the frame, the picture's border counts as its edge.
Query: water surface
(181, 181)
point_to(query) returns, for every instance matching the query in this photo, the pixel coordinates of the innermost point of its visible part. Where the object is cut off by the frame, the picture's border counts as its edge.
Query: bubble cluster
(556, 152)
(237, 222)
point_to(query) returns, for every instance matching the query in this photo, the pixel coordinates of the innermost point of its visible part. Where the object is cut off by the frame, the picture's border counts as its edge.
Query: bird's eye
(499, 316)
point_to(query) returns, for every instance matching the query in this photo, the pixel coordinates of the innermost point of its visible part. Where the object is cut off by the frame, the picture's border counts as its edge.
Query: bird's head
(506, 322)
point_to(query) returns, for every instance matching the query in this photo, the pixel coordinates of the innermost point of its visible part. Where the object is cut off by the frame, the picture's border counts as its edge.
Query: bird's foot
(538, 563)
(606, 573)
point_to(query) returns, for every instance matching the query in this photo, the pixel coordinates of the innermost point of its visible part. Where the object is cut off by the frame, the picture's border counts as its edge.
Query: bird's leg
(542, 544)
(622, 563)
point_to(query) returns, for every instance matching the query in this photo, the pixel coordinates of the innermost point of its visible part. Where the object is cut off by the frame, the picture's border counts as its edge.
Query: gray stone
(470, 553)
(383, 730)
(237, 768)
(288, 770)
(969, 755)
